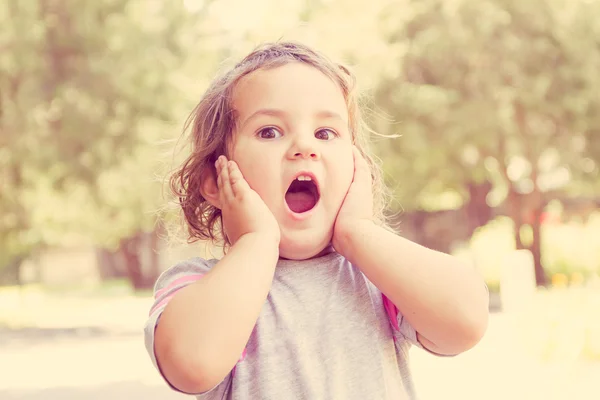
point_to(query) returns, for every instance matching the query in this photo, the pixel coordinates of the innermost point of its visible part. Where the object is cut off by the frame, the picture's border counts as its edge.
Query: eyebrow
(274, 112)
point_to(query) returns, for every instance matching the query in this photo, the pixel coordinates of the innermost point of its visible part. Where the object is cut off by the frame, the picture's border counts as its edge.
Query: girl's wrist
(262, 242)
(348, 235)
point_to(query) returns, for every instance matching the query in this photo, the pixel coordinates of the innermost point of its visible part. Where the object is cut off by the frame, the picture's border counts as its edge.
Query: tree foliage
(500, 91)
(495, 102)
(85, 93)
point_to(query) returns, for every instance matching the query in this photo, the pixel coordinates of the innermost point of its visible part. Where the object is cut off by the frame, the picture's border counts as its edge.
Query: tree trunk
(110, 264)
(478, 210)
(154, 259)
(11, 274)
(132, 250)
(514, 208)
(536, 247)
(534, 204)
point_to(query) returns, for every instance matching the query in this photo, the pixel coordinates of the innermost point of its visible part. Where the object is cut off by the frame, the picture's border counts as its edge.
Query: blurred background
(497, 104)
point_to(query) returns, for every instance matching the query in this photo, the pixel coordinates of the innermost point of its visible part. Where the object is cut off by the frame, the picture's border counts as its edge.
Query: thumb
(362, 172)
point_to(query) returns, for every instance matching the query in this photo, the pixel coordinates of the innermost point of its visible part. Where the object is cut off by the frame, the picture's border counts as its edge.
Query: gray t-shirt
(324, 332)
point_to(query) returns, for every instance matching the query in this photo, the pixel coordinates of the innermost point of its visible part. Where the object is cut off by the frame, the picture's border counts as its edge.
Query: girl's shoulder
(185, 271)
(194, 264)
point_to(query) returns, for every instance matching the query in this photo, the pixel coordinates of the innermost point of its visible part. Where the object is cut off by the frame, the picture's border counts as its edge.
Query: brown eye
(325, 134)
(269, 133)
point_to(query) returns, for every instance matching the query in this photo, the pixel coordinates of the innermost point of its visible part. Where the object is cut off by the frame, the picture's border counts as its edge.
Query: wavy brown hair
(212, 123)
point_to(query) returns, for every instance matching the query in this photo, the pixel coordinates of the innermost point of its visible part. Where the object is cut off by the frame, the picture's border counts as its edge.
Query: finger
(239, 185)
(361, 168)
(224, 183)
(218, 168)
(359, 160)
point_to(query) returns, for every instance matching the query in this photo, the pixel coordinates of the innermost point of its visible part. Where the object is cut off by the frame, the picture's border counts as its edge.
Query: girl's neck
(327, 250)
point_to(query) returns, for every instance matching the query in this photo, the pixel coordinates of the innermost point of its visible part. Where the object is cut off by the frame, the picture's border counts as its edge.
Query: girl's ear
(210, 189)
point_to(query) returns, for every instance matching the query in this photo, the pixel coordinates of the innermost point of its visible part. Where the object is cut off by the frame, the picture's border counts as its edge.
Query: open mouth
(302, 195)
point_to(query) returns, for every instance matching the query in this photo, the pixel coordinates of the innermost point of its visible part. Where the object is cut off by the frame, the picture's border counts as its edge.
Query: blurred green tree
(498, 94)
(87, 91)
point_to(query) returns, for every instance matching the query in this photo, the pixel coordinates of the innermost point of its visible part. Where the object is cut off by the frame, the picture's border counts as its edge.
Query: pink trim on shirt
(177, 282)
(161, 303)
(240, 360)
(181, 282)
(392, 312)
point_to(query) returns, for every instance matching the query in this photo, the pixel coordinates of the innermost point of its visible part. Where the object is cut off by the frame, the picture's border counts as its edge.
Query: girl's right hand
(242, 209)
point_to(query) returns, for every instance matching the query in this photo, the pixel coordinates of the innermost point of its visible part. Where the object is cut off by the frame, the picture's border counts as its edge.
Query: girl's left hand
(358, 203)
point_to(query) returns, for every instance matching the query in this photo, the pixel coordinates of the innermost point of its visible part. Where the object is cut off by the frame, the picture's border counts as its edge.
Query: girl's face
(294, 147)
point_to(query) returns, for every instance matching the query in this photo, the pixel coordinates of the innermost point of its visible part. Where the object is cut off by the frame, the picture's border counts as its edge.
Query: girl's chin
(292, 250)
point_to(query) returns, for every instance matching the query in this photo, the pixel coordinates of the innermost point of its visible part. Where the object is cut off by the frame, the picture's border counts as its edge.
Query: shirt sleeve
(166, 287)
(403, 330)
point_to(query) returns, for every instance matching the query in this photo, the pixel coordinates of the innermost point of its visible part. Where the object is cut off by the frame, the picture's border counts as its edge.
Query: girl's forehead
(293, 88)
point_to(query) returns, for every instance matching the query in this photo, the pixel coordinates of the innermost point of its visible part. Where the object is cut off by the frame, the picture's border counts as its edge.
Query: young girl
(315, 298)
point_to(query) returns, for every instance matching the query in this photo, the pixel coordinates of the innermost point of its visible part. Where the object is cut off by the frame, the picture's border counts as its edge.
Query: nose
(304, 149)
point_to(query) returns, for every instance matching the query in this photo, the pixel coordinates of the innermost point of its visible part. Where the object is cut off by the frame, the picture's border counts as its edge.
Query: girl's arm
(204, 328)
(442, 297)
